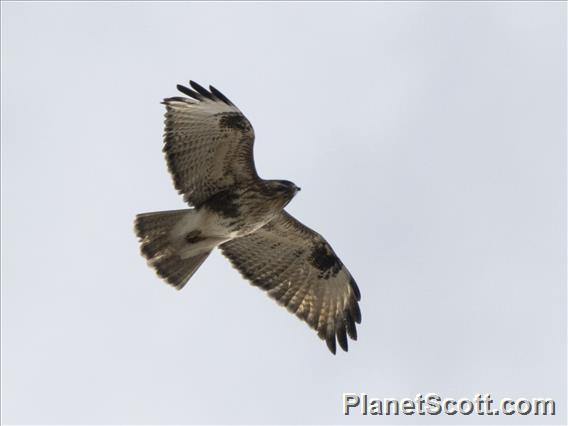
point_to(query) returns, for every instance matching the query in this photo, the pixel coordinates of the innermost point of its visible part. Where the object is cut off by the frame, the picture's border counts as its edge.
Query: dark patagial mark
(225, 203)
(234, 121)
(324, 259)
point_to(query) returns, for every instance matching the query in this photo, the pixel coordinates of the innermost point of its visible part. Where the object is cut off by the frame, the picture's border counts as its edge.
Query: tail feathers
(177, 271)
(162, 249)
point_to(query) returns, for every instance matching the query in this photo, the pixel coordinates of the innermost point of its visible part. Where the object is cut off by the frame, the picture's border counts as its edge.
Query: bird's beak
(298, 189)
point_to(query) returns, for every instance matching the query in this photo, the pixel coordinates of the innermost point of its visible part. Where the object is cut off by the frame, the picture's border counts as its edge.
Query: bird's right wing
(299, 269)
(208, 143)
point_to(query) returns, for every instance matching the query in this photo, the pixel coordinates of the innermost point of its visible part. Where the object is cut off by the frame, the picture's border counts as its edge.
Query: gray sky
(428, 139)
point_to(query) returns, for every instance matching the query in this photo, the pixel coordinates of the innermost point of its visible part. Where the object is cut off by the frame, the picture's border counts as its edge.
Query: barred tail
(164, 250)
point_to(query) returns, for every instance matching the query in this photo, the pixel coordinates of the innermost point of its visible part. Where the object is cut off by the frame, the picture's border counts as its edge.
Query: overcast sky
(429, 140)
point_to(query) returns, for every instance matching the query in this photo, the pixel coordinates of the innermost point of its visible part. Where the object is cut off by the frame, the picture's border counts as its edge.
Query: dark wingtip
(355, 312)
(342, 337)
(187, 91)
(220, 96)
(350, 326)
(330, 341)
(201, 90)
(355, 289)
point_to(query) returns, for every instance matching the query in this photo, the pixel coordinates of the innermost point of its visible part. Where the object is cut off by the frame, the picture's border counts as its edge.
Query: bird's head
(283, 190)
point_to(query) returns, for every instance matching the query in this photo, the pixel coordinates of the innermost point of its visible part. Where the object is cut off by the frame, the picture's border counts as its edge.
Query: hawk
(208, 144)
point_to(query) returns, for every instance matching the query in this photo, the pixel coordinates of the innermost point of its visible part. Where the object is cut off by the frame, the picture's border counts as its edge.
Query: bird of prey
(208, 144)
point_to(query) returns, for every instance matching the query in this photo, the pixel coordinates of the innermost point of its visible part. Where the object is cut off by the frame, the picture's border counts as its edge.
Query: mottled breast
(240, 211)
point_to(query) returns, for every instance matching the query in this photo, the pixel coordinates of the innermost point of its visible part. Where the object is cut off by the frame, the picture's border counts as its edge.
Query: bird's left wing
(298, 268)
(208, 143)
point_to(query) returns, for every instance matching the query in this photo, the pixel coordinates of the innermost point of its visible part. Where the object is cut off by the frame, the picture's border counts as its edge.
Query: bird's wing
(208, 143)
(298, 268)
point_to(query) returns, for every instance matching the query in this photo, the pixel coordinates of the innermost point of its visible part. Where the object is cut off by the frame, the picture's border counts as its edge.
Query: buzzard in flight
(208, 144)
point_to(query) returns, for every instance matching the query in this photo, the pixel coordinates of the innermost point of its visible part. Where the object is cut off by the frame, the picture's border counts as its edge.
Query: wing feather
(208, 144)
(298, 268)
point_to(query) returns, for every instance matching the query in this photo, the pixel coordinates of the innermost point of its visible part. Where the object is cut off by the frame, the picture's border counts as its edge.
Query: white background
(428, 138)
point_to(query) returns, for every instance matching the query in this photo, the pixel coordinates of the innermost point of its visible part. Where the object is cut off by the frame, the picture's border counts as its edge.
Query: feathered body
(208, 147)
(243, 210)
